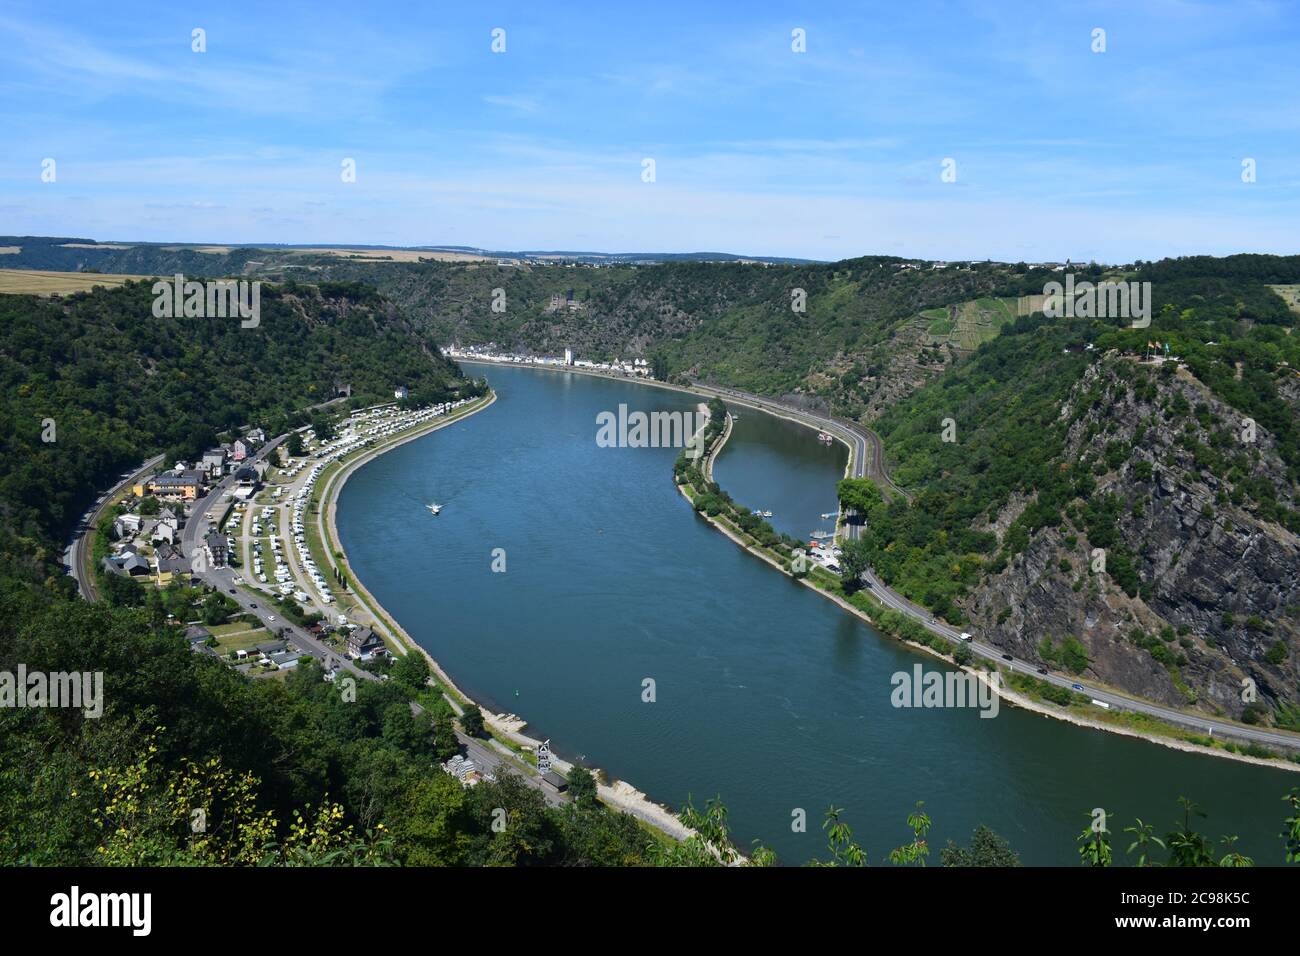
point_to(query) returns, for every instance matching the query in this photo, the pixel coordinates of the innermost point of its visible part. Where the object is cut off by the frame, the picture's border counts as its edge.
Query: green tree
(986, 848)
(1142, 839)
(839, 838)
(445, 743)
(1291, 835)
(916, 851)
(854, 562)
(521, 829)
(858, 494)
(411, 670)
(1233, 858)
(1094, 841)
(709, 845)
(582, 786)
(432, 823)
(471, 721)
(1187, 847)
(323, 426)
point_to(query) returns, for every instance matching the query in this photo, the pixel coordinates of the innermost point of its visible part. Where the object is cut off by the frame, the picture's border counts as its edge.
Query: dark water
(766, 693)
(771, 464)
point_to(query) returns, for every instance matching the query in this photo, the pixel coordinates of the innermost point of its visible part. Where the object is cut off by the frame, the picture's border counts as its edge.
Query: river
(764, 693)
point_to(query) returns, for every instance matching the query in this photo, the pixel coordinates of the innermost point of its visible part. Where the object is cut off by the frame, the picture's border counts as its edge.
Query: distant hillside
(858, 342)
(72, 254)
(868, 331)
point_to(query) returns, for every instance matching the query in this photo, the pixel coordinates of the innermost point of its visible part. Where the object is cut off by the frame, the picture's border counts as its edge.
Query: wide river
(764, 693)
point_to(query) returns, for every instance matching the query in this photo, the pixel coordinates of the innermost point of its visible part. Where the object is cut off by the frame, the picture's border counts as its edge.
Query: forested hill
(1184, 475)
(119, 385)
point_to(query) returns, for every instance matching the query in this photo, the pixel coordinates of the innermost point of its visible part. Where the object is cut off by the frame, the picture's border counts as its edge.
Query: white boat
(434, 508)
(767, 514)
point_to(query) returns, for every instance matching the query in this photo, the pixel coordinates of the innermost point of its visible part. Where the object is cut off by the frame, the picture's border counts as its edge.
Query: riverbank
(725, 394)
(505, 728)
(1124, 723)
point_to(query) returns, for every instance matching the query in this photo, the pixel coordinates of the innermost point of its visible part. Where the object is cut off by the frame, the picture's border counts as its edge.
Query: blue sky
(835, 152)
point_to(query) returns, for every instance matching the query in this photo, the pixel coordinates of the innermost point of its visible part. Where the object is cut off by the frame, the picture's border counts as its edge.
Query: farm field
(968, 324)
(35, 282)
(1290, 295)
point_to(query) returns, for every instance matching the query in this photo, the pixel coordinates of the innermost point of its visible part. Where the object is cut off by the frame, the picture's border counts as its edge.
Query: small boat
(757, 513)
(818, 535)
(824, 437)
(767, 514)
(434, 508)
(831, 514)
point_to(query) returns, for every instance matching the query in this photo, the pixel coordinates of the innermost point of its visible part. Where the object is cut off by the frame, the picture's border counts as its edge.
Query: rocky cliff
(1174, 574)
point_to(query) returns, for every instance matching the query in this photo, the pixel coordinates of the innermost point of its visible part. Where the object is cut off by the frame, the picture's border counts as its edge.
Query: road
(868, 449)
(77, 557)
(869, 461)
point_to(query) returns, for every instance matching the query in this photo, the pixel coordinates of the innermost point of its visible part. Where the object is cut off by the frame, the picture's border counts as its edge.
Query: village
(239, 524)
(638, 368)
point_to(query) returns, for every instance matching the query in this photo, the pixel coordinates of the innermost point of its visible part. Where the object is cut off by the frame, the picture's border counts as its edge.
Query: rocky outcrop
(1192, 597)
